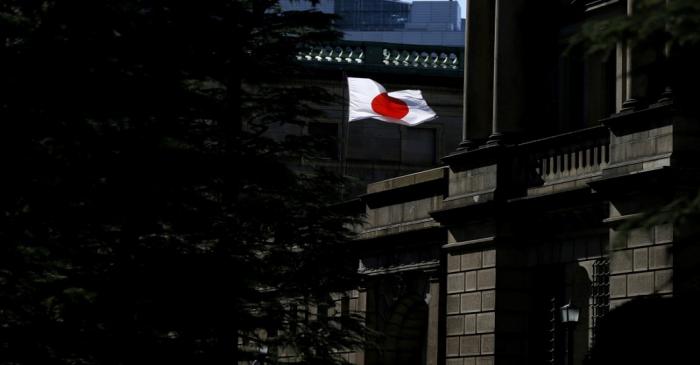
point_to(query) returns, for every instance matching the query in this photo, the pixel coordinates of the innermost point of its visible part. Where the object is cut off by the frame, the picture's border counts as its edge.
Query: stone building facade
(472, 262)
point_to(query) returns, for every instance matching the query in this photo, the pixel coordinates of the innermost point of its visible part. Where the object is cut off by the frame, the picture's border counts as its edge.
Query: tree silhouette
(145, 216)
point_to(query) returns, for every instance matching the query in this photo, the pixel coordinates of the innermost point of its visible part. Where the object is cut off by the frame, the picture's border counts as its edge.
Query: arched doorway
(406, 332)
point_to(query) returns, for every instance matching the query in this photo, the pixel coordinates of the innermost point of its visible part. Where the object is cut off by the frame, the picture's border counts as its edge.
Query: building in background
(372, 15)
(324, 6)
(435, 23)
(435, 16)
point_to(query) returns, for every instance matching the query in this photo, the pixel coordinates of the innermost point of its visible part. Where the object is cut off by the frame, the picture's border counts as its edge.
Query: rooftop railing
(383, 55)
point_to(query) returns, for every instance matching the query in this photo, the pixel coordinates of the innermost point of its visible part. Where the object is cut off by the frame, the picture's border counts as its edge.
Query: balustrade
(404, 56)
(569, 156)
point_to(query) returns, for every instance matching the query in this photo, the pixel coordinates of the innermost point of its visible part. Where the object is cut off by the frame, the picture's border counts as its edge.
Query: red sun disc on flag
(389, 107)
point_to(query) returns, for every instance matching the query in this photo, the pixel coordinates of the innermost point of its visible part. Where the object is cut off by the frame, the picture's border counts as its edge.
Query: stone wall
(525, 229)
(470, 303)
(641, 263)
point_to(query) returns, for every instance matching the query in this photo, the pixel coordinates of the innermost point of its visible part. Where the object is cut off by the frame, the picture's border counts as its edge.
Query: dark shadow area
(397, 309)
(652, 330)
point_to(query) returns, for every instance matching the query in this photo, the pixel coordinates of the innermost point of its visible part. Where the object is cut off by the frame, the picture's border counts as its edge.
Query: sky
(463, 6)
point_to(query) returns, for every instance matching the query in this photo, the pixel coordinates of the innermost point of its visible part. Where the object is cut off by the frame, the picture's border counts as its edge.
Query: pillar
(478, 72)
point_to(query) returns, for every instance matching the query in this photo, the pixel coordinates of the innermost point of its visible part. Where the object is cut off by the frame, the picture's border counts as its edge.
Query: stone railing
(329, 54)
(567, 157)
(383, 55)
(407, 58)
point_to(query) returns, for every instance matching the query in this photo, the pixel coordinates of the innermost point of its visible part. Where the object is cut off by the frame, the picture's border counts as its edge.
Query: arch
(406, 332)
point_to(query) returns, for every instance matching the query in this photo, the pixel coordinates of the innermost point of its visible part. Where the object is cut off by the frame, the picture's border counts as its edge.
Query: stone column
(667, 95)
(620, 77)
(631, 81)
(495, 136)
(508, 69)
(478, 72)
(466, 143)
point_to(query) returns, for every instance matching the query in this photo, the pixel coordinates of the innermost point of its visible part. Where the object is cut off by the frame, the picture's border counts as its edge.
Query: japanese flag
(369, 99)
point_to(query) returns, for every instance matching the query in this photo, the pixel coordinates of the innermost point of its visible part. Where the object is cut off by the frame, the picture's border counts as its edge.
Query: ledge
(463, 200)
(579, 136)
(611, 185)
(444, 215)
(637, 166)
(406, 181)
(622, 218)
(407, 188)
(427, 265)
(398, 228)
(481, 156)
(581, 193)
(655, 115)
(563, 185)
(469, 242)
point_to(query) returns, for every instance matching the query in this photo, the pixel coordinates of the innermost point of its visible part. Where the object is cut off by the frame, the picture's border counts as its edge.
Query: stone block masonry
(471, 319)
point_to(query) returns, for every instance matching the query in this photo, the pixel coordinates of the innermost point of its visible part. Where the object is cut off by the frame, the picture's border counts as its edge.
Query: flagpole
(345, 130)
(341, 130)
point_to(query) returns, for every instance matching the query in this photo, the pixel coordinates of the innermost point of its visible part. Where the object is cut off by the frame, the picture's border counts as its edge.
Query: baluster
(424, 56)
(579, 161)
(550, 170)
(349, 54)
(318, 54)
(606, 153)
(454, 61)
(596, 156)
(415, 59)
(588, 160)
(560, 164)
(406, 58)
(338, 52)
(433, 60)
(543, 168)
(572, 162)
(328, 54)
(443, 60)
(360, 55)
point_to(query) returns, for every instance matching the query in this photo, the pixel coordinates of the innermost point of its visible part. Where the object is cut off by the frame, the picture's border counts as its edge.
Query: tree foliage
(675, 23)
(665, 36)
(145, 216)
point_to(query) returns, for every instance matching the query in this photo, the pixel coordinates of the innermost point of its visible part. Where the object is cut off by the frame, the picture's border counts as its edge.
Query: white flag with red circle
(369, 99)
